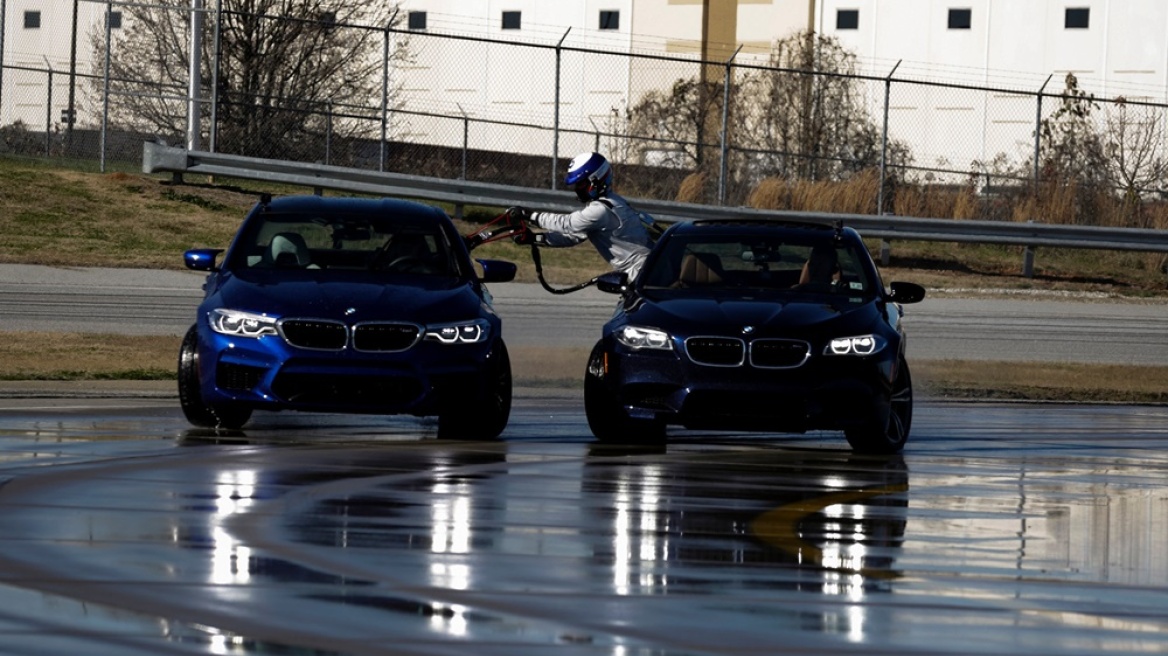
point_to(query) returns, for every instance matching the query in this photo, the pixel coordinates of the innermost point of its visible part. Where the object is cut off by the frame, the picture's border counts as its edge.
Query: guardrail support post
(885, 252)
(1028, 262)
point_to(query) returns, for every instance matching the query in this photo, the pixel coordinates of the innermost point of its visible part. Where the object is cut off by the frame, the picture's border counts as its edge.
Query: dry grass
(1055, 202)
(62, 217)
(57, 216)
(1040, 381)
(693, 188)
(86, 356)
(856, 196)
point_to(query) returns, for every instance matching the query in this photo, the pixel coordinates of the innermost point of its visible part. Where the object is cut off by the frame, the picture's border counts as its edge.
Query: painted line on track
(780, 527)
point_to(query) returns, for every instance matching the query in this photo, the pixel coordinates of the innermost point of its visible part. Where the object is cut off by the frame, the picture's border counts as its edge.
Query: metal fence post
(3, 28)
(105, 86)
(384, 97)
(195, 77)
(214, 127)
(884, 141)
(458, 207)
(596, 135)
(72, 83)
(49, 110)
(1038, 132)
(725, 154)
(328, 133)
(556, 110)
(465, 138)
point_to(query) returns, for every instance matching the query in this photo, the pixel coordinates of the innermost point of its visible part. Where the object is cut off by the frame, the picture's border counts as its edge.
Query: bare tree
(287, 71)
(801, 116)
(1133, 145)
(1072, 150)
(807, 110)
(675, 123)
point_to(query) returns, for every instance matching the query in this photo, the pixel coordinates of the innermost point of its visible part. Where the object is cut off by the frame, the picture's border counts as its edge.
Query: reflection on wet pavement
(1000, 530)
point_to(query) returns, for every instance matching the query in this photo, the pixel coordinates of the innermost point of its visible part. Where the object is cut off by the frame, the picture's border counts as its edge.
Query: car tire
(190, 394)
(487, 416)
(884, 436)
(607, 419)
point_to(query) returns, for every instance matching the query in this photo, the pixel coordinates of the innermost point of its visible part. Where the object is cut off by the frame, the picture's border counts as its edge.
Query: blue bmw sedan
(754, 325)
(348, 305)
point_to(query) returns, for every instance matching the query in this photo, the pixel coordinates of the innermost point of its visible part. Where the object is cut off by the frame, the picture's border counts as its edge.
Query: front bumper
(825, 392)
(267, 373)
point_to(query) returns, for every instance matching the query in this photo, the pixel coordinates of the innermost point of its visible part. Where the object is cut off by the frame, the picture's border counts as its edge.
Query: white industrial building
(37, 41)
(1009, 45)
(1114, 48)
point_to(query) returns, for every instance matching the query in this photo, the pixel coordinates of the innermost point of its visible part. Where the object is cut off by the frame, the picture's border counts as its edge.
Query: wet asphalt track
(1001, 529)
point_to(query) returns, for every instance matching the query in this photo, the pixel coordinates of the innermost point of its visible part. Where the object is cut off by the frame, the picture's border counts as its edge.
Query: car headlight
(858, 345)
(636, 337)
(243, 324)
(463, 332)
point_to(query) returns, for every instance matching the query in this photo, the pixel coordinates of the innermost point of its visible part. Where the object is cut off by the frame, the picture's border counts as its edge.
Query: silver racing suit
(613, 227)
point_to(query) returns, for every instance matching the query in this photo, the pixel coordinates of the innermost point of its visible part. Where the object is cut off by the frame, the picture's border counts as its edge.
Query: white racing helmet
(589, 175)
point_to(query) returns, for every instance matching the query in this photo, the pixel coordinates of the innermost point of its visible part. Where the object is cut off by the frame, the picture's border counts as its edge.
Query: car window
(345, 243)
(813, 263)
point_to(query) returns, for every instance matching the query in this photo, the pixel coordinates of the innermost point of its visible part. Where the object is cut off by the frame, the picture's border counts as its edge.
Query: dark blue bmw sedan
(347, 305)
(754, 325)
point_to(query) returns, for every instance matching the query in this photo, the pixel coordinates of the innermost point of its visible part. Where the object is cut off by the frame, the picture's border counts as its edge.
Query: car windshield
(811, 264)
(345, 242)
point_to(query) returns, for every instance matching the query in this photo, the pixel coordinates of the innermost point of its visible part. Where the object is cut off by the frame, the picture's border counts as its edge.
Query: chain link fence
(382, 97)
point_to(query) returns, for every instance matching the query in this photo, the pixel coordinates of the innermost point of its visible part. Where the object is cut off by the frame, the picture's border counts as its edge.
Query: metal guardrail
(157, 158)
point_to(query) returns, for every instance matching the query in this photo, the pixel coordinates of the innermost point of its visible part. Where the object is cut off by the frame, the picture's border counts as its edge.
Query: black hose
(535, 257)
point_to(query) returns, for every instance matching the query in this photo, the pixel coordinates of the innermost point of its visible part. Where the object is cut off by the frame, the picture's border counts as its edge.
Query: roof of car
(767, 221)
(764, 223)
(312, 203)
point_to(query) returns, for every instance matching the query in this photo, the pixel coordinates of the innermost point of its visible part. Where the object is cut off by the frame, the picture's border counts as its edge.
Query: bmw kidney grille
(316, 334)
(779, 353)
(716, 351)
(326, 335)
(734, 352)
(384, 336)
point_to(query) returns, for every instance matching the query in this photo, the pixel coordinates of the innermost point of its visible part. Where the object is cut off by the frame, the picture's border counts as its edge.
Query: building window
(32, 20)
(847, 19)
(511, 20)
(1078, 18)
(417, 20)
(959, 19)
(115, 19)
(610, 20)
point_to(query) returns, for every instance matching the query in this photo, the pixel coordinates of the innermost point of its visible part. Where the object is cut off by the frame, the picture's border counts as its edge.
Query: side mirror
(613, 282)
(202, 259)
(906, 292)
(497, 270)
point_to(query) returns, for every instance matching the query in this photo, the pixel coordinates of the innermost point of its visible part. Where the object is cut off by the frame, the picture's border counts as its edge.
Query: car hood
(765, 316)
(358, 298)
